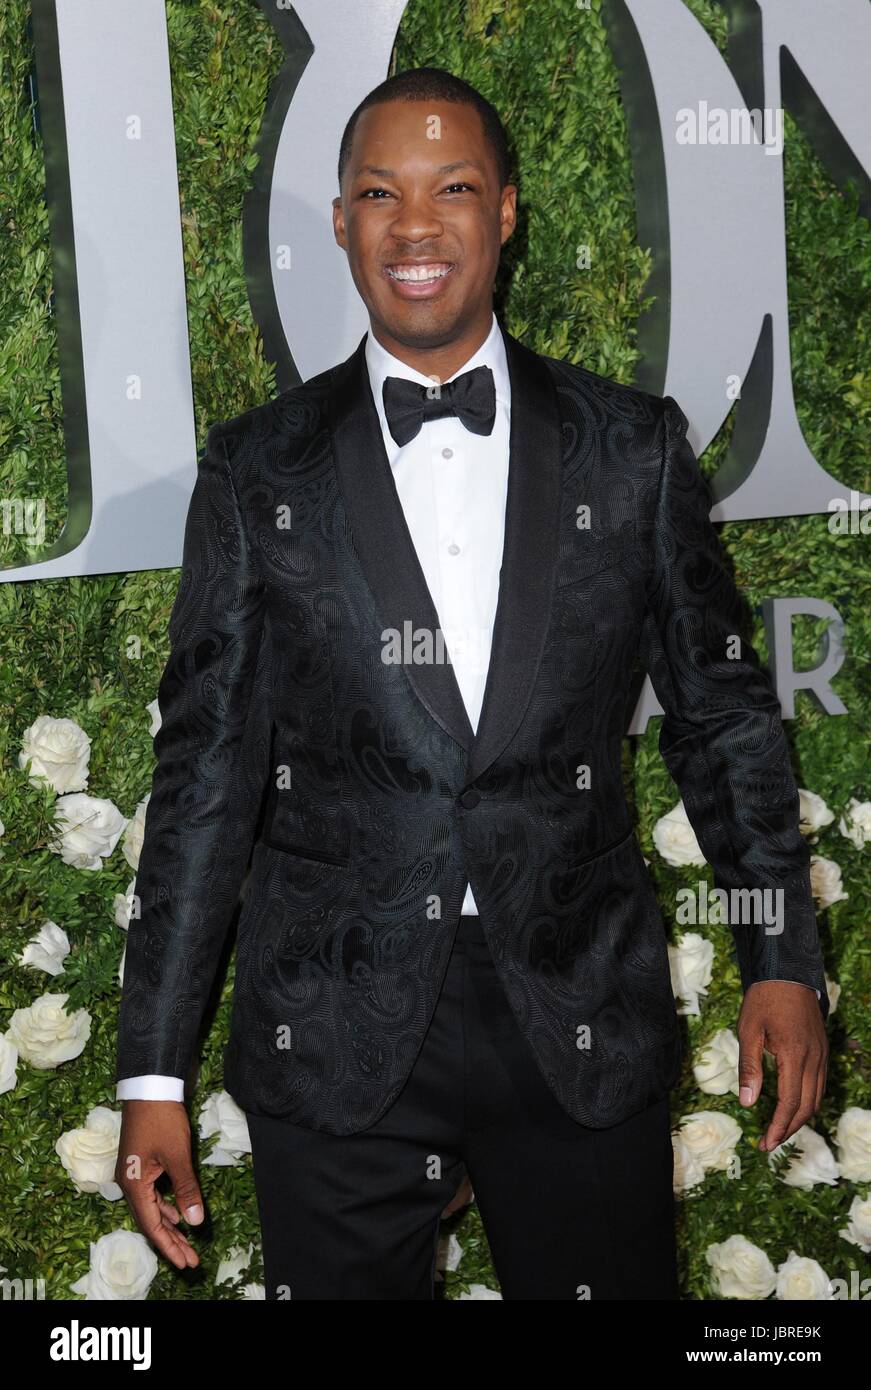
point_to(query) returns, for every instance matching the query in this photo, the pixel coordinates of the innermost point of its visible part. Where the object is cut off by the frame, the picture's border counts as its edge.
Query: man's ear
(508, 211)
(339, 223)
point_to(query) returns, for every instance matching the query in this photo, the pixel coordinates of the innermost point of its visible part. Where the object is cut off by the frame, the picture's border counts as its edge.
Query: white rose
(833, 990)
(802, 1278)
(711, 1136)
(88, 830)
(58, 751)
(716, 1071)
(853, 1140)
(221, 1115)
(123, 1265)
(8, 1064)
(858, 1231)
(233, 1263)
(856, 824)
(47, 950)
(154, 714)
(90, 1154)
(46, 1035)
(122, 904)
(740, 1269)
(813, 812)
(254, 1291)
(675, 839)
(826, 883)
(131, 846)
(691, 964)
(812, 1163)
(688, 1171)
(478, 1291)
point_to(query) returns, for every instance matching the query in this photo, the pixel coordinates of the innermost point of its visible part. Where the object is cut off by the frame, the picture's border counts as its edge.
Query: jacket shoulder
(296, 413)
(615, 398)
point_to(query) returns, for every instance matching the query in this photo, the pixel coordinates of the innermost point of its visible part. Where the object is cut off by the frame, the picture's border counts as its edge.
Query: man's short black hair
(433, 84)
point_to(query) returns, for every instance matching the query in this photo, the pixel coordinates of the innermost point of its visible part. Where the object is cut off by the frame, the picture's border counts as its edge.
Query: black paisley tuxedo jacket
(366, 798)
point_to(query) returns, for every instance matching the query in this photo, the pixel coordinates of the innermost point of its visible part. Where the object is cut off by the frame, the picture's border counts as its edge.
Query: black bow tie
(472, 397)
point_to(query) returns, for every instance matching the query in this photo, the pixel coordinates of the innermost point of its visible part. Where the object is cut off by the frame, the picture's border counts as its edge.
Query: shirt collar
(381, 364)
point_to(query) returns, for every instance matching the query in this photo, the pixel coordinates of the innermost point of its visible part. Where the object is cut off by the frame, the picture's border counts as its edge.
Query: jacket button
(470, 798)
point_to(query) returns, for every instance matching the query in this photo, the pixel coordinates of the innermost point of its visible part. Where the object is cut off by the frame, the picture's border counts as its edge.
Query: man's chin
(421, 324)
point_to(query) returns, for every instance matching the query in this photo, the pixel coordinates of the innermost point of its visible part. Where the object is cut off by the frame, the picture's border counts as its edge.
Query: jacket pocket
(304, 814)
(624, 838)
(591, 556)
(305, 852)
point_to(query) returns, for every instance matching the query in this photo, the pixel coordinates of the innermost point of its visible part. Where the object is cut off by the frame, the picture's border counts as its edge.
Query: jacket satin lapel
(529, 555)
(383, 540)
(393, 570)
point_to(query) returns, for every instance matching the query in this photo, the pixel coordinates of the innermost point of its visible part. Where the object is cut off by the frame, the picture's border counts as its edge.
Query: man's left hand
(783, 1018)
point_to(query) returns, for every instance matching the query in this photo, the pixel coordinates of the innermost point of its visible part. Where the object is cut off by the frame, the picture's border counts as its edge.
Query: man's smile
(418, 279)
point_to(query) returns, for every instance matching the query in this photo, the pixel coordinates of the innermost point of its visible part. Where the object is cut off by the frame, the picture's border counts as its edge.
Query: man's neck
(439, 362)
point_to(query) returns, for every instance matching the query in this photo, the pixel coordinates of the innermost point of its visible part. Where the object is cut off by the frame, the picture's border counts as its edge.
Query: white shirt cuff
(150, 1088)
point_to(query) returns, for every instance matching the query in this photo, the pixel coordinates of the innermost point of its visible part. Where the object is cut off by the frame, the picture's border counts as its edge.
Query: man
(450, 957)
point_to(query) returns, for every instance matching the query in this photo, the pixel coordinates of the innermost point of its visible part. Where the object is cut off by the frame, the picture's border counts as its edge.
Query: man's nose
(415, 221)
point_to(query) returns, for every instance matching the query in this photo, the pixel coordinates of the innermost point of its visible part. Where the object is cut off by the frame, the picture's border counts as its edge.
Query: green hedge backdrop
(92, 649)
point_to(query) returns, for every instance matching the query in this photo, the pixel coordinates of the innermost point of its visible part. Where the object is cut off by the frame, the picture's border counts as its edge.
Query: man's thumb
(750, 1071)
(187, 1194)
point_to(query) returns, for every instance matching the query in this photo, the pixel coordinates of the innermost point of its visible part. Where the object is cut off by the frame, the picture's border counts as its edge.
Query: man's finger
(822, 1076)
(461, 1198)
(806, 1106)
(168, 1210)
(145, 1205)
(790, 1075)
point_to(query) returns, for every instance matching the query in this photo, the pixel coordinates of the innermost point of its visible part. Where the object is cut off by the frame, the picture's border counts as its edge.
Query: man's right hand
(156, 1138)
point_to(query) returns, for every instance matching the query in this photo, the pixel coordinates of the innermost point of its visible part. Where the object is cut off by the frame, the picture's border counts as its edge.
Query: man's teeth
(418, 272)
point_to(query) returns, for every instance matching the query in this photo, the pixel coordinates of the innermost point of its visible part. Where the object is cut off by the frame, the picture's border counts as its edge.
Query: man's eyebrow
(443, 169)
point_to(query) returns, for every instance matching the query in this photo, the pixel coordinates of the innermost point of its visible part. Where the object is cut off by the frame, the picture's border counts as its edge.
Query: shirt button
(453, 548)
(447, 453)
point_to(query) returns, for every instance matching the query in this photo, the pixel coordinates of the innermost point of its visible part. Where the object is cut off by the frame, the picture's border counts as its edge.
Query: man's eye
(368, 192)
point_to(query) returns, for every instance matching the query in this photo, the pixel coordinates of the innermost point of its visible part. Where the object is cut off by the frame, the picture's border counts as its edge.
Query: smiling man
(424, 210)
(451, 965)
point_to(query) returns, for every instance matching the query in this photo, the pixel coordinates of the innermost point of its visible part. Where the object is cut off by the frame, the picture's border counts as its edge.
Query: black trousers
(569, 1212)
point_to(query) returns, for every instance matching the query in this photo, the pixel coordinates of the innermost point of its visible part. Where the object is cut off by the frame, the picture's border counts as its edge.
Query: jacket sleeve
(200, 817)
(722, 734)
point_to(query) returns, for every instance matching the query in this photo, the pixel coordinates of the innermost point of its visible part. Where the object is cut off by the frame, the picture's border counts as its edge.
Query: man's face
(415, 206)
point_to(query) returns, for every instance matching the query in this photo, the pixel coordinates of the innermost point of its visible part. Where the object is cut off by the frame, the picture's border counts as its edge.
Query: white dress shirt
(453, 487)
